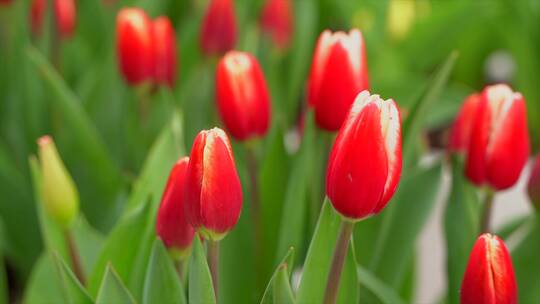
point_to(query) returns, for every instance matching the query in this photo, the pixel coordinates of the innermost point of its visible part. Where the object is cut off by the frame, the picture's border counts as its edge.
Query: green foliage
(120, 155)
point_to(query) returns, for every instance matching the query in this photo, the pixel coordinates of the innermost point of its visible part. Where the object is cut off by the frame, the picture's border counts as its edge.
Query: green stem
(75, 257)
(486, 212)
(213, 264)
(342, 245)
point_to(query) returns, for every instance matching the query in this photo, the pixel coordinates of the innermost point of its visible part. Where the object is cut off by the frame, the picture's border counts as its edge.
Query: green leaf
(42, 285)
(383, 293)
(412, 126)
(89, 145)
(121, 247)
(295, 206)
(162, 284)
(282, 287)
(526, 263)
(167, 149)
(113, 290)
(275, 290)
(402, 222)
(72, 289)
(201, 289)
(318, 260)
(461, 226)
(273, 177)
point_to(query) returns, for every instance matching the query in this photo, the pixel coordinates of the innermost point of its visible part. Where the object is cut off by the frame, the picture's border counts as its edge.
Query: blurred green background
(80, 98)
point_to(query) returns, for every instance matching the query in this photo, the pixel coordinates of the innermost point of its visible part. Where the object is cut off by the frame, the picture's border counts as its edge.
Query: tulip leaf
(276, 289)
(167, 149)
(42, 285)
(121, 247)
(526, 263)
(295, 206)
(273, 177)
(281, 290)
(304, 40)
(402, 221)
(412, 125)
(460, 234)
(88, 142)
(318, 260)
(113, 290)
(162, 284)
(72, 289)
(201, 289)
(383, 292)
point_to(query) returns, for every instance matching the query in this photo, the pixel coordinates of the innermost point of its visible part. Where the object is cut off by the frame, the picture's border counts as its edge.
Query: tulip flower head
(213, 194)
(59, 194)
(165, 52)
(533, 186)
(462, 127)
(338, 74)
(277, 21)
(499, 140)
(171, 224)
(65, 15)
(365, 162)
(37, 14)
(489, 277)
(135, 45)
(242, 96)
(218, 32)
(5, 2)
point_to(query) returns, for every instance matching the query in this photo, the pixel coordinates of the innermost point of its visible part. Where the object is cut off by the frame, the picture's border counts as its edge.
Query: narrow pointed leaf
(113, 290)
(269, 295)
(73, 291)
(162, 283)
(201, 289)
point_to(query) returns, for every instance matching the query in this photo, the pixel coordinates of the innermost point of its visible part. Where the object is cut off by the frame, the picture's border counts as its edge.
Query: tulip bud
(365, 163)
(65, 15)
(218, 33)
(338, 74)
(134, 45)
(213, 191)
(461, 129)
(533, 187)
(499, 144)
(60, 196)
(37, 13)
(489, 277)
(171, 224)
(242, 96)
(165, 52)
(276, 20)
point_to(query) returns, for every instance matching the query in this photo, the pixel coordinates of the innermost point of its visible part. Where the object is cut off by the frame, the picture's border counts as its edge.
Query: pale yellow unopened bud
(60, 196)
(401, 16)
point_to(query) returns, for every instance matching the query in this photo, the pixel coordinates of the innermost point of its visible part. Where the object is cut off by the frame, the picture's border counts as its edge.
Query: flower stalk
(342, 245)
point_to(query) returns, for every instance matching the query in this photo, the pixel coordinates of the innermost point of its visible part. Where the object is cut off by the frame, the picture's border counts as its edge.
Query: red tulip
(165, 52)
(338, 74)
(461, 130)
(365, 163)
(276, 20)
(534, 183)
(65, 15)
(499, 143)
(218, 33)
(489, 277)
(242, 96)
(5, 2)
(213, 191)
(134, 45)
(37, 13)
(171, 225)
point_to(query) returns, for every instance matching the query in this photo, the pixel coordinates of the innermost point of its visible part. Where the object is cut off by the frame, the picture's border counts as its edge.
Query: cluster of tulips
(203, 194)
